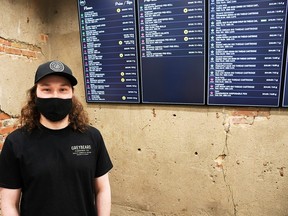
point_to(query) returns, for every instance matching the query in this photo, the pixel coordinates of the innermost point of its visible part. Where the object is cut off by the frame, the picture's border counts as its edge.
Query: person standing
(55, 163)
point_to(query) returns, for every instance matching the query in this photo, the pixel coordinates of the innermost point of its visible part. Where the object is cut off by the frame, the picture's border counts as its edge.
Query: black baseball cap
(55, 68)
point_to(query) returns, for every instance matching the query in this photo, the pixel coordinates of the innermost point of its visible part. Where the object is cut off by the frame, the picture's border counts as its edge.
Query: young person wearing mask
(54, 164)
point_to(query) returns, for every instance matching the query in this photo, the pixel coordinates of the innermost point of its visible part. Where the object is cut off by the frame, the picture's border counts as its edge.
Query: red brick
(6, 42)
(33, 54)
(245, 112)
(44, 38)
(242, 120)
(11, 50)
(7, 50)
(6, 130)
(4, 116)
(15, 51)
(28, 53)
(3, 41)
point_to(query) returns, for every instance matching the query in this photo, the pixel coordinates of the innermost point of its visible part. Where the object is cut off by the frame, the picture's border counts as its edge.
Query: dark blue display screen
(109, 50)
(172, 47)
(245, 52)
(285, 93)
(154, 51)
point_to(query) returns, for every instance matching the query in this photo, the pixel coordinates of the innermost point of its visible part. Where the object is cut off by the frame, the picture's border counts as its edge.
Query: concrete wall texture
(168, 160)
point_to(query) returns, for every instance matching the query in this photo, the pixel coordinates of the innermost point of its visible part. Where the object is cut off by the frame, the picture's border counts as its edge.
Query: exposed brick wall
(21, 49)
(7, 125)
(247, 115)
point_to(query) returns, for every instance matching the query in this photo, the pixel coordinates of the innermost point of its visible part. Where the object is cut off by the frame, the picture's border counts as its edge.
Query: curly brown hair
(30, 116)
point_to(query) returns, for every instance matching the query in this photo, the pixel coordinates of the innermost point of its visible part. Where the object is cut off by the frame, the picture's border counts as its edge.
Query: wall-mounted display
(193, 52)
(285, 92)
(109, 50)
(172, 47)
(245, 55)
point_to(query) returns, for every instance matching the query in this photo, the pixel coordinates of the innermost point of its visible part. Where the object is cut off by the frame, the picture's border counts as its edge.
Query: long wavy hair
(30, 116)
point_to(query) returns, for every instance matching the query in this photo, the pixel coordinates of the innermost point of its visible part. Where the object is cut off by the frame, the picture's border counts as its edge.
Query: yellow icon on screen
(122, 80)
(122, 73)
(118, 10)
(185, 38)
(185, 31)
(120, 42)
(123, 97)
(185, 10)
(121, 55)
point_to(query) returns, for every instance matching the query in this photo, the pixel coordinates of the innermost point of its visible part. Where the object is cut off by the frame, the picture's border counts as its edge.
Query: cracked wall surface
(168, 160)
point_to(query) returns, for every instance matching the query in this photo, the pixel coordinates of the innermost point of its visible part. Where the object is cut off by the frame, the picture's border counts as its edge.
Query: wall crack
(220, 159)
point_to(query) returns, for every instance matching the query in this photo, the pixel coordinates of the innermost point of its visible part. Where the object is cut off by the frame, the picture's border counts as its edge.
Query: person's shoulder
(94, 133)
(93, 130)
(16, 133)
(17, 136)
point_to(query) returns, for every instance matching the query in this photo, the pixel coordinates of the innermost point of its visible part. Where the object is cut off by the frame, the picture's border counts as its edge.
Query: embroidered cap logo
(56, 66)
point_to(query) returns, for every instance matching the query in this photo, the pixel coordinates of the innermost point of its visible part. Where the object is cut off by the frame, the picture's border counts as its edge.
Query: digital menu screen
(172, 51)
(285, 93)
(245, 52)
(109, 50)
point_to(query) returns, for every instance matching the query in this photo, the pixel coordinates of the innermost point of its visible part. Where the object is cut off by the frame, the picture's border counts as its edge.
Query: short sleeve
(10, 175)
(104, 163)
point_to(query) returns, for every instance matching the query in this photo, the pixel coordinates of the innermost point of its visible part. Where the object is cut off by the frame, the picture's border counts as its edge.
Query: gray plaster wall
(168, 160)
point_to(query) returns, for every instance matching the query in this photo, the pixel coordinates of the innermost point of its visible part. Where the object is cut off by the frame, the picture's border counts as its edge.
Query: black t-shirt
(55, 170)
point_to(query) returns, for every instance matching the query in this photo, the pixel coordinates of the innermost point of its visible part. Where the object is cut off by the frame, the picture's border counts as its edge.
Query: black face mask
(54, 109)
